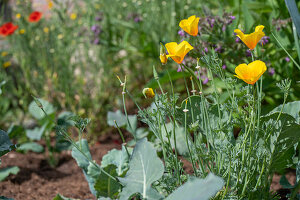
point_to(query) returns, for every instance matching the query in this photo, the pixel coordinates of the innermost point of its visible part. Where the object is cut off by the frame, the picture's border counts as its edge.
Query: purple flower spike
(237, 40)
(224, 67)
(232, 17)
(265, 40)
(223, 28)
(204, 79)
(94, 28)
(248, 53)
(96, 41)
(181, 33)
(212, 23)
(180, 68)
(98, 18)
(219, 49)
(205, 49)
(137, 19)
(287, 59)
(271, 71)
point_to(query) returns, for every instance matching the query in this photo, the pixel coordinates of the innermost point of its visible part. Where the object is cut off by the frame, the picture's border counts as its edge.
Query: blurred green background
(72, 55)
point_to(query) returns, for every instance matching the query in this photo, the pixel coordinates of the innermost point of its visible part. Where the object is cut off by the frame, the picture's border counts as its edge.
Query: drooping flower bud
(163, 56)
(148, 92)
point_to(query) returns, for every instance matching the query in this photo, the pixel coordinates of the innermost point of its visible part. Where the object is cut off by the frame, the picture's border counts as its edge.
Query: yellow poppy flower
(252, 72)
(46, 30)
(22, 31)
(50, 4)
(251, 39)
(190, 25)
(148, 92)
(7, 64)
(4, 53)
(60, 36)
(18, 15)
(178, 51)
(73, 16)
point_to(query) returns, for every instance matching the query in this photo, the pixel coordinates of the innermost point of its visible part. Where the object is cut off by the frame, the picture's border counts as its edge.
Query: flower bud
(148, 92)
(163, 56)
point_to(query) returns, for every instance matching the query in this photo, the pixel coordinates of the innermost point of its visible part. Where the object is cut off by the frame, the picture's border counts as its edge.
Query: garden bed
(37, 180)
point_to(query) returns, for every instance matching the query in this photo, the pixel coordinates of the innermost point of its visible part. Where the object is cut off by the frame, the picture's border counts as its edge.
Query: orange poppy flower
(35, 16)
(178, 51)
(251, 39)
(190, 25)
(7, 29)
(252, 72)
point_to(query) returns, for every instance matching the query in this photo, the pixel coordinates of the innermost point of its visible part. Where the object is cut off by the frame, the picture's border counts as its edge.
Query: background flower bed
(72, 62)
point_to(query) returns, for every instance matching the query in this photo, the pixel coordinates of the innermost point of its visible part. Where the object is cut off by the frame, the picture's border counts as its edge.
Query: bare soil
(37, 180)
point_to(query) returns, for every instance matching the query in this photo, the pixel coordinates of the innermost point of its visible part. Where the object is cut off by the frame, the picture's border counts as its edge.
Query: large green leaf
(5, 198)
(248, 19)
(37, 112)
(121, 120)
(298, 172)
(83, 162)
(2, 83)
(5, 143)
(105, 186)
(144, 168)
(284, 135)
(179, 135)
(119, 158)
(294, 12)
(60, 197)
(196, 189)
(36, 133)
(5, 172)
(117, 116)
(64, 119)
(291, 108)
(15, 131)
(31, 146)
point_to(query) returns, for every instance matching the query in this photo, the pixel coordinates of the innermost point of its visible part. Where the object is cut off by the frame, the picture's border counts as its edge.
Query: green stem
(228, 181)
(174, 134)
(261, 173)
(187, 142)
(122, 137)
(296, 40)
(286, 51)
(161, 137)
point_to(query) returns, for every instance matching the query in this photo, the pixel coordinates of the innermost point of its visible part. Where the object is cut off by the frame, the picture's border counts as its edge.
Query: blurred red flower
(35, 16)
(8, 29)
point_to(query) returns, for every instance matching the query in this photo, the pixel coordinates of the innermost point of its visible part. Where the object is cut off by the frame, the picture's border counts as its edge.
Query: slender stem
(286, 51)
(174, 134)
(161, 137)
(260, 175)
(122, 137)
(187, 141)
(125, 111)
(228, 181)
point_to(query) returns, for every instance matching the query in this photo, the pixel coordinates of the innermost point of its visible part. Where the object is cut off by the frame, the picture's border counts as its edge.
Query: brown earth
(38, 181)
